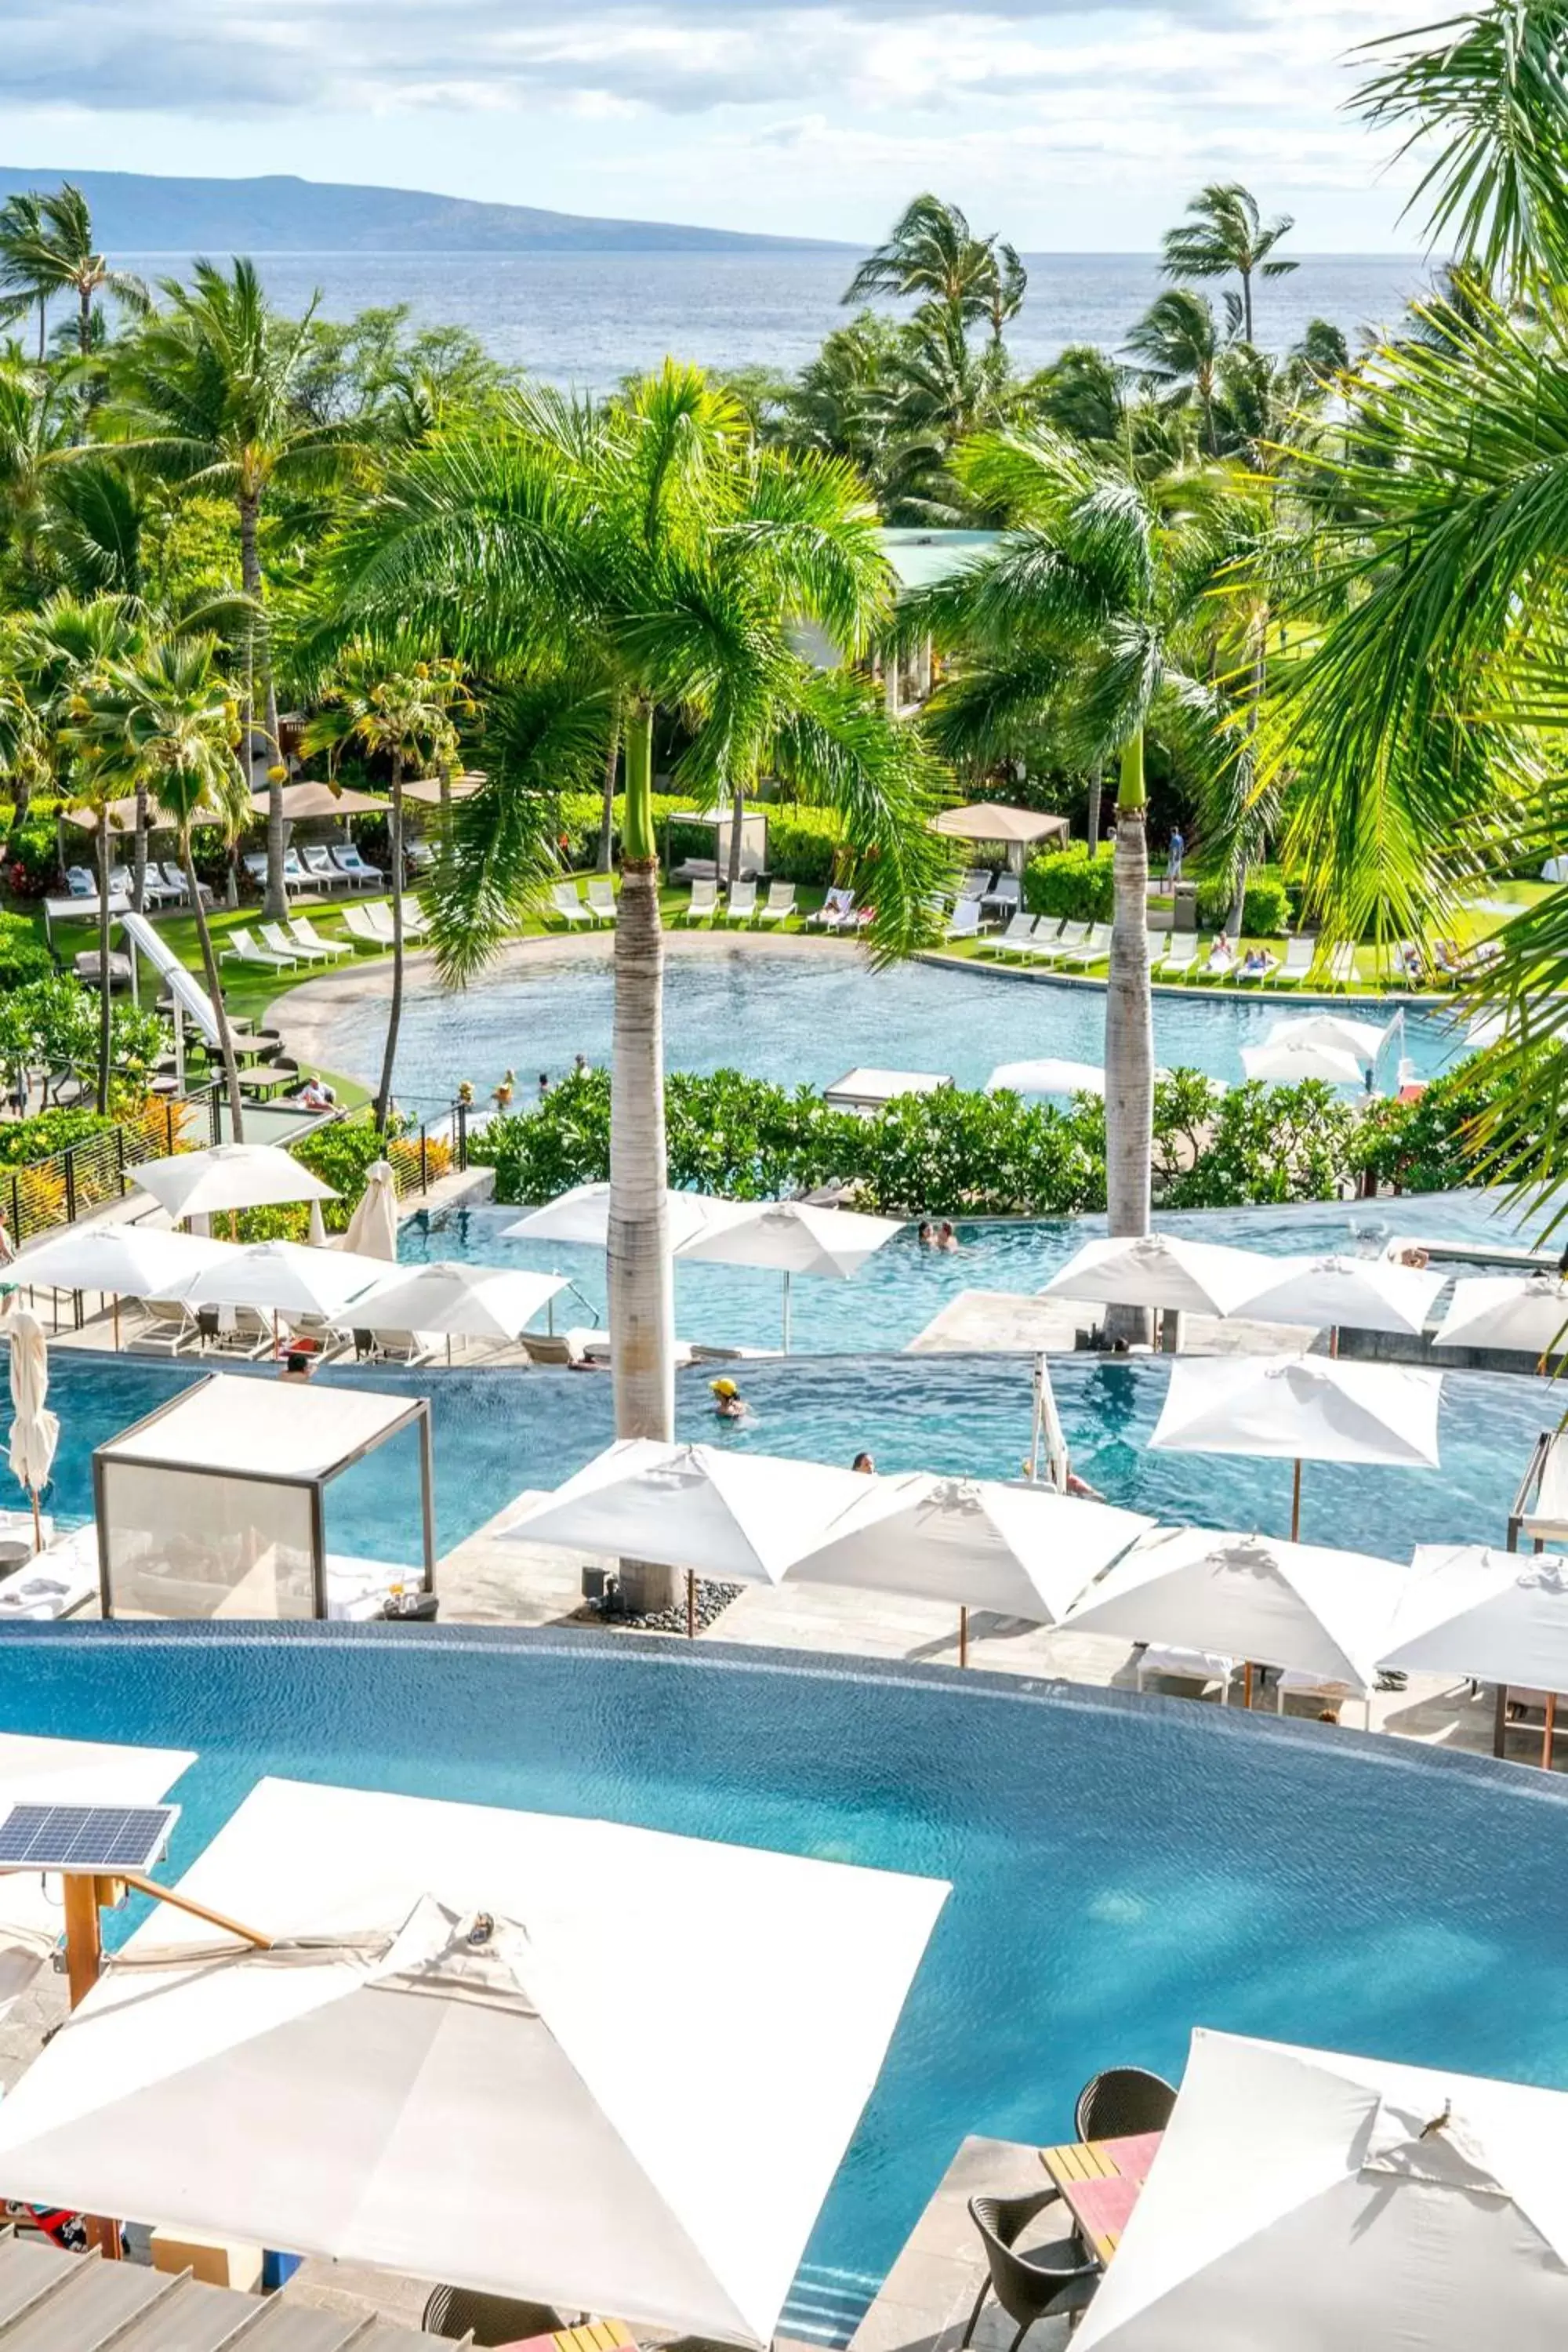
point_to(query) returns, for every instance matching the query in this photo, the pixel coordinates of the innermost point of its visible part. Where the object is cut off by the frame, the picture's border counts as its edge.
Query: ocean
(585, 319)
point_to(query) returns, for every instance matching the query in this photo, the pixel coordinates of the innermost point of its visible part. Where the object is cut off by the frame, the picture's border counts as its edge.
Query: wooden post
(1246, 1688)
(1296, 1506)
(964, 1637)
(1546, 1736)
(84, 1958)
(690, 1606)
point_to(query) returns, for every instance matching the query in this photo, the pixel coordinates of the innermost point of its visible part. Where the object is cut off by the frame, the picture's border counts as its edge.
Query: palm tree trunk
(607, 808)
(1256, 685)
(395, 1010)
(43, 328)
(105, 1007)
(1130, 1036)
(737, 826)
(1096, 777)
(84, 323)
(1246, 304)
(274, 904)
(641, 1283)
(214, 992)
(138, 853)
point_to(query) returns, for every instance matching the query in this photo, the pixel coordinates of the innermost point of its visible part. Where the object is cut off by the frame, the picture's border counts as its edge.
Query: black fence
(49, 1194)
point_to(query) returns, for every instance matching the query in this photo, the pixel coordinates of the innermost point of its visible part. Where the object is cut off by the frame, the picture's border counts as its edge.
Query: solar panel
(85, 1837)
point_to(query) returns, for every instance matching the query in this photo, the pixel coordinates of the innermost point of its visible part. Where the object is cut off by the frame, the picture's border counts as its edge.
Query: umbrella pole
(1296, 1506)
(1547, 1734)
(964, 1637)
(690, 1606)
(37, 1522)
(84, 1958)
(786, 1313)
(114, 1311)
(1246, 1688)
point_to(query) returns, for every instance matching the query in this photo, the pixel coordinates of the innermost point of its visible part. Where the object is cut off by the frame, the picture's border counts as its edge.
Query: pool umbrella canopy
(129, 1261)
(471, 1302)
(1333, 1294)
(373, 1228)
(1322, 1611)
(991, 821)
(791, 1237)
(285, 1278)
(1365, 1039)
(1302, 1409)
(1352, 2201)
(1290, 1061)
(1022, 1551)
(1046, 1078)
(1162, 1271)
(1492, 1616)
(709, 1510)
(308, 799)
(229, 1176)
(1504, 1311)
(484, 2107)
(35, 1430)
(583, 1214)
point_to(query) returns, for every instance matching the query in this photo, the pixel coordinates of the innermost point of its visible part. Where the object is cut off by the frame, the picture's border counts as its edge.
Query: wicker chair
(1040, 2284)
(1122, 2102)
(455, 2312)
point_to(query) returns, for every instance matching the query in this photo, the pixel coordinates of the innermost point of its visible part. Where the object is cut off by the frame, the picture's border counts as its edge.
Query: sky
(1068, 125)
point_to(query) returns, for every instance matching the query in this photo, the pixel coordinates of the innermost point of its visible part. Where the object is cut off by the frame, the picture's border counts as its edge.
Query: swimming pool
(496, 1432)
(1121, 1870)
(802, 1017)
(898, 1291)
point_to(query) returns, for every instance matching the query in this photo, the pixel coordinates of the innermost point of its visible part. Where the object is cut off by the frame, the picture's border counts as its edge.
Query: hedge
(1265, 910)
(23, 955)
(1074, 882)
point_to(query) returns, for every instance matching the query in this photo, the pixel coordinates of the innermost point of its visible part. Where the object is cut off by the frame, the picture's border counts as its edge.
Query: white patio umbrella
(373, 1228)
(1301, 1409)
(1506, 1311)
(285, 1278)
(1325, 1612)
(582, 1215)
(35, 1430)
(1023, 1551)
(1335, 1294)
(436, 2069)
(1046, 1078)
(471, 1302)
(1492, 1616)
(121, 1261)
(229, 1176)
(1302, 2199)
(741, 1518)
(793, 1238)
(1293, 1060)
(1160, 1270)
(1365, 1039)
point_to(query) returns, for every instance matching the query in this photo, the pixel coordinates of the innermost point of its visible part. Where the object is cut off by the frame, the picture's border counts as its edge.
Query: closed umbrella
(1301, 1409)
(230, 1176)
(1529, 1316)
(373, 1228)
(793, 1237)
(1335, 1294)
(119, 1261)
(35, 1430)
(1160, 1270)
(1294, 1060)
(471, 1302)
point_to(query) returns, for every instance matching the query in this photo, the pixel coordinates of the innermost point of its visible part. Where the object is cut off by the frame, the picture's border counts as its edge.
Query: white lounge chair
(833, 912)
(779, 904)
(976, 882)
(1200, 1667)
(79, 882)
(1065, 937)
(318, 862)
(742, 905)
(602, 897)
(416, 921)
(1095, 949)
(274, 936)
(243, 948)
(298, 880)
(1005, 900)
(363, 931)
(1341, 966)
(702, 905)
(176, 881)
(61, 1579)
(1015, 938)
(167, 1328)
(1180, 961)
(1220, 963)
(1299, 957)
(965, 920)
(1254, 979)
(564, 902)
(347, 860)
(1159, 949)
(306, 937)
(235, 1331)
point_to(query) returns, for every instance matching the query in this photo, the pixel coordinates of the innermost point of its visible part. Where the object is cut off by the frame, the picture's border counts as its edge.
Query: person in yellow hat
(728, 1402)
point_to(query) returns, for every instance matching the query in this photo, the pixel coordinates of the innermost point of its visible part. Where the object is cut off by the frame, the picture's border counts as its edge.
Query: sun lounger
(1094, 949)
(235, 1331)
(61, 1581)
(167, 1328)
(421, 855)
(79, 882)
(347, 860)
(416, 921)
(976, 882)
(1015, 938)
(393, 1346)
(1299, 957)
(317, 863)
(177, 880)
(274, 937)
(1200, 1667)
(1262, 965)
(741, 904)
(243, 948)
(1005, 900)
(554, 1348)
(1220, 963)
(564, 902)
(965, 922)
(1159, 947)
(602, 897)
(363, 931)
(833, 912)
(780, 903)
(702, 905)
(1341, 966)
(307, 939)
(1065, 937)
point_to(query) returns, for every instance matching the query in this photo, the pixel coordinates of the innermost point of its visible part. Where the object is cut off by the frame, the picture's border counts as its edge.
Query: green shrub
(803, 845)
(32, 866)
(1073, 883)
(24, 1140)
(1265, 910)
(340, 1154)
(582, 813)
(23, 955)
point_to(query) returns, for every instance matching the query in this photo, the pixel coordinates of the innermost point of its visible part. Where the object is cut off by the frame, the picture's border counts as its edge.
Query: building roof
(54, 2302)
(923, 558)
(262, 1428)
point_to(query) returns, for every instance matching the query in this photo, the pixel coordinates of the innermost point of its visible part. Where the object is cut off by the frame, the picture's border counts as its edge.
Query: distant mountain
(133, 213)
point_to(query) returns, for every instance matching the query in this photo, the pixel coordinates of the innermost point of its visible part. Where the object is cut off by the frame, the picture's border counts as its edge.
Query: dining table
(1100, 2181)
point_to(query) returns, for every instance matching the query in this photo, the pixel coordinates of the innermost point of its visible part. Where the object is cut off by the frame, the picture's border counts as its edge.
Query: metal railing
(53, 1192)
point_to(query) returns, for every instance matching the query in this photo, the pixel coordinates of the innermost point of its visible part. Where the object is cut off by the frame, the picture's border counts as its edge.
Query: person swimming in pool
(728, 1402)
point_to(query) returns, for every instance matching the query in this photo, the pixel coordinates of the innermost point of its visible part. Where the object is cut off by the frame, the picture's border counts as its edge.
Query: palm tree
(49, 250)
(404, 716)
(1007, 293)
(1180, 348)
(1226, 236)
(1078, 626)
(643, 558)
(21, 237)
(933, 254)
(208, 393)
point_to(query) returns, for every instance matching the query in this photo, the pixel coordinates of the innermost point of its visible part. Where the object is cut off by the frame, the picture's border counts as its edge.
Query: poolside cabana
(436, 2068)
(214, 1506)
(1012, 829)
(1300, 2198)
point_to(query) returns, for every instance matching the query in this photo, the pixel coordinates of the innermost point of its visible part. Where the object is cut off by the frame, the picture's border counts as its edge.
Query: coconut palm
(46, 248)
(208, 391)
(404, 716)
(1179, 349)
(1226, 236)
(1078, 627)
(643, 558)
(21, 237)
(933, 254)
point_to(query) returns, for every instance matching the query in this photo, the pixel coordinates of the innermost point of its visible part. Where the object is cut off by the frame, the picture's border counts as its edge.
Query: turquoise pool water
(496, 1432)
(802, 1017)
(1122, 1871)
(897, 1293)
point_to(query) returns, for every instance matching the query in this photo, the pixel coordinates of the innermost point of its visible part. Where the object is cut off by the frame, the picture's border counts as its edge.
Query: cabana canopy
(283, 1278)
(307, 799)
(991, 821)
(215, 1504)
(1365, 1039)
(791, 1237)
(1163, 1271)
(452, 2083)
(1302, 2199)
(1492, 1616)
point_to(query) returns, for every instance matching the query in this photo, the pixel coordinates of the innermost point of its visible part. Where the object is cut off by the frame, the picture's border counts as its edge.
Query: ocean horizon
(586, 319)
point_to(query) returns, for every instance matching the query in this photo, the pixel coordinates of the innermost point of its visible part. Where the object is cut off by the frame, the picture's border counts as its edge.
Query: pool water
(900, 1290)
(1121, 1870)
(498, 1432)
(803, 1018)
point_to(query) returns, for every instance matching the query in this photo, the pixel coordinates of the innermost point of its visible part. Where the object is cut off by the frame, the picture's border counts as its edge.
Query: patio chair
(347, 860)
(394, 1347)
(303, 931)
(421, 855)
(363, 931)
(175, 879)
(1341, 966)
(1263, 966)
(1094, 949)
(167, 1328)
(965, 922)
(274, 936)
(235, 1331)
(79, 882)
(416, 921)
(1180, 961)
(780, 904)
(977, 880)
(1159, 949)
(1046, 2283)
(1300, 955)
(564, 902)
(741, 906)
(834, 911)
(702, 904)
(1047, 945)
(243, 948)
(466, 2313)
(120, 881)
(319, 862)
(271, 1077)
(602, 897)
(1015, 938)
(1122, 2102)
(1220, 963)
(1005, 898)
(255, 864)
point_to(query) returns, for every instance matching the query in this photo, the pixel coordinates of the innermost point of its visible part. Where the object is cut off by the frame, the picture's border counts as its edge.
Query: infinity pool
(802, 1017)
(1122, 1870)
(498, 1432)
